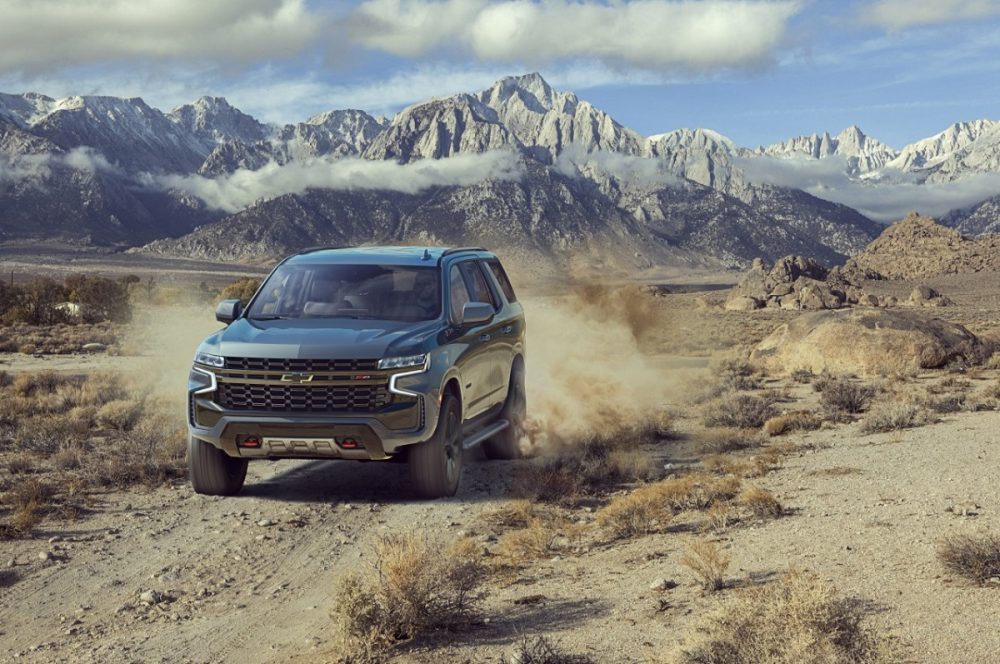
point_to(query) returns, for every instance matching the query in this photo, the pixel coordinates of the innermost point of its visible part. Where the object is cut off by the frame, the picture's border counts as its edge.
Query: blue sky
(758, 71)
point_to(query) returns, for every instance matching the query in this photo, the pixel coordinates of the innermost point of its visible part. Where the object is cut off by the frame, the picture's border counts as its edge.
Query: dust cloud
(591, 367)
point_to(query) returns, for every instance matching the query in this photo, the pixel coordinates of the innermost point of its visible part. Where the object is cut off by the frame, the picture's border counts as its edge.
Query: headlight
(403, 362)
(209, 360)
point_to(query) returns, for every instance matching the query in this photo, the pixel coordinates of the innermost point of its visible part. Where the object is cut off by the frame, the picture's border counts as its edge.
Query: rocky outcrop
(794, 283)
(865, 341)
(917, 247)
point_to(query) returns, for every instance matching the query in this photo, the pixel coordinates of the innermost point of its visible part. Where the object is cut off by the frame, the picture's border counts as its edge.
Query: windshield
(383, 292)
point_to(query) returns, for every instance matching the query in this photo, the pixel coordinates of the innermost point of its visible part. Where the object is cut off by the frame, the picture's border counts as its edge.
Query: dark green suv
(366, 353)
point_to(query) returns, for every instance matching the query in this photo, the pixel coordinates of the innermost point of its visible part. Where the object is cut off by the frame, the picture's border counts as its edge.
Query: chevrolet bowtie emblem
(296, 378)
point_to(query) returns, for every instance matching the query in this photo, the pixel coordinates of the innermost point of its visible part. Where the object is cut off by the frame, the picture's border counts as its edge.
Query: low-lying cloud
(886, 200)
(233, 192)
(630, 169)
(36, 168)
(663, 35)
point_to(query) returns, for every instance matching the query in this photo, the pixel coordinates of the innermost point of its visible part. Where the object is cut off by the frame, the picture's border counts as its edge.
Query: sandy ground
(250, 578)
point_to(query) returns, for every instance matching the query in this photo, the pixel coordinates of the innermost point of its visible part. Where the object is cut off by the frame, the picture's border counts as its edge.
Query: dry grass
(532, 542)
(798, 420)
(795, 620)
(761, 502)
(708, 563)
(60, 339)
(725, 439)
(415, 586)
(975, 557)
(741, 411)
(83, 433)
(894, 416)
(512, 514)
(640, 512)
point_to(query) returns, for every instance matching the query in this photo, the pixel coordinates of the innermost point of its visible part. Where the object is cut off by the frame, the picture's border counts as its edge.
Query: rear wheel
(212, 471)
(436, 464)
(507, 443)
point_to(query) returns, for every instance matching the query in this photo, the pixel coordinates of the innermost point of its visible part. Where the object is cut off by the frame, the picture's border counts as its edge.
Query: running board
(483, 434)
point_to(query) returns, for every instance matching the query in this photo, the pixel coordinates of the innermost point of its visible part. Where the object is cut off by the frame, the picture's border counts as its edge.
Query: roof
(416, 256)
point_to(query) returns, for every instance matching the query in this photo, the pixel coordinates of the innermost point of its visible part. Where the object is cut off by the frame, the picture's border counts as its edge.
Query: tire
(212, 471)
(507, 443)
(436, 464)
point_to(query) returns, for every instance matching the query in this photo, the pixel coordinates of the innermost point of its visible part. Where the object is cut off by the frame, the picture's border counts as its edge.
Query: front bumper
(407, 420)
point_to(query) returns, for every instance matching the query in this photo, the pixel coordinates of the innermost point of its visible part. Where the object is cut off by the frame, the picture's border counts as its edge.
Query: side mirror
(228, 311)
(474, 313)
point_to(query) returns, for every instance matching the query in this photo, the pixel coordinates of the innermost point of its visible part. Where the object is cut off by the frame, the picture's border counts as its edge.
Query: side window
(502, 280)
(479, 290)
(459, 293)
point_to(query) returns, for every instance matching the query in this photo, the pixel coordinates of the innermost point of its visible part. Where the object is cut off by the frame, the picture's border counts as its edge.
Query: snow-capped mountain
(122, 172)
(862, 153)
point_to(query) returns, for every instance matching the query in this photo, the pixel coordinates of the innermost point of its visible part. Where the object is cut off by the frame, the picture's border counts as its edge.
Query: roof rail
(458, 250)
(309, 250)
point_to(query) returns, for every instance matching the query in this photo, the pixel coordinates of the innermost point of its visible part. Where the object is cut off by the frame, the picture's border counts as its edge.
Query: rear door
(496, 365)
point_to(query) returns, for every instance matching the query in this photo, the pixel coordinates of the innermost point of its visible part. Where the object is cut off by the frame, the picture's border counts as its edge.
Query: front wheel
(436, 464)
(212, 471)
(507, 443)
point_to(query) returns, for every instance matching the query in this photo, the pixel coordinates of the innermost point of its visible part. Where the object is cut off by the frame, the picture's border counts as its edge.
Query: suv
(369, 353)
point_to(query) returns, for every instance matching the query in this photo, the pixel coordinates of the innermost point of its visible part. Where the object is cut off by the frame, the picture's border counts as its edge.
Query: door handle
(485, 337)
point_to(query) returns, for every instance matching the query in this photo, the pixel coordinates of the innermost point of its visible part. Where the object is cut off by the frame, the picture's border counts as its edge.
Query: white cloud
(643, 171)
(234, 192)
(888, 199)
(901, 14)
(665, 35)
(36, 168)
(46, 35)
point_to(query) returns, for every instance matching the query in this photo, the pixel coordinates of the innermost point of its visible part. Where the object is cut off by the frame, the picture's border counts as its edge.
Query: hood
(319, 339)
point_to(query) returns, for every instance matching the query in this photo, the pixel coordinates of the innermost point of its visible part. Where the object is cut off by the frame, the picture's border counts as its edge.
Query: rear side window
(459, 293)
(502, 280)
(479, 290)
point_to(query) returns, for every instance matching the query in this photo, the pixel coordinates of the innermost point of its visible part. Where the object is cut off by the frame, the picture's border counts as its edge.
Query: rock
(925, 296)
(93, 348)
(45, 556)
(152, 597)
(264, 523)
(742, 304)
(865, 341)
(662, 584)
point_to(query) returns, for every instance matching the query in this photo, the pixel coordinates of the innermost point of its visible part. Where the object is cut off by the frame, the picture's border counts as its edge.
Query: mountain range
(520, 167)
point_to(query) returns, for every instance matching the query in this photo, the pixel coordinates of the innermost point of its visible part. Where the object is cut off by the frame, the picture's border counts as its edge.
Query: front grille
(272, 364)
(302, 398)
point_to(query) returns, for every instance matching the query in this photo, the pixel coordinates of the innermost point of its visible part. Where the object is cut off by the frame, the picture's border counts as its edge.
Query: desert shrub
(540, 650)
(795, 620)
(149, 454)
(27, 501)
(45, 434)
(121, 415)
(842, 395)
(975, 557)
(589, 467)
(512, 514)
(736, 374)
(242, 289)
(99, 298)
(640, 512)
(728, 439)
(803, 375)
(952, 402)
(794, 421)
(760, 502)
(718, 517)
(696, 491)
(742, 411)
(415, 586)
(708, 563)
(533, 541)
(23, 463)
(41, 382)
(893, 416)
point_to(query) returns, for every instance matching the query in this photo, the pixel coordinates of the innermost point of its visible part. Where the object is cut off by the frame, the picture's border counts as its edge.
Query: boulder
(864, 341)
(925, 296)
(742, 303)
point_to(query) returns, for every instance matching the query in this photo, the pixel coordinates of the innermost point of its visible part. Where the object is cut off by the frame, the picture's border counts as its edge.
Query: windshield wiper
(270, 317)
